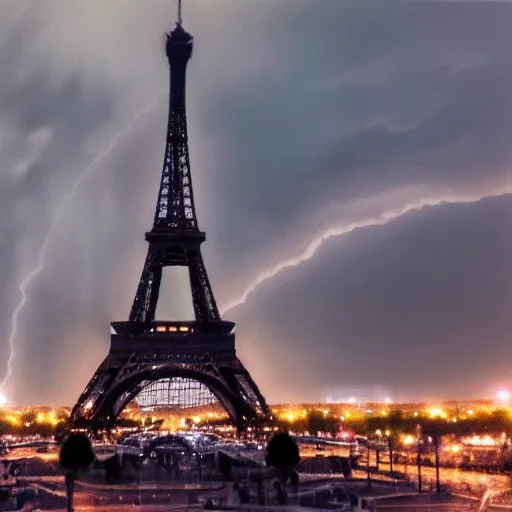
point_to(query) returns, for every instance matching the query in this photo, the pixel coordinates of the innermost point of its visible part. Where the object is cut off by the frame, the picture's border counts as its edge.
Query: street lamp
(368, 478)
(390, 448)
(419, 438)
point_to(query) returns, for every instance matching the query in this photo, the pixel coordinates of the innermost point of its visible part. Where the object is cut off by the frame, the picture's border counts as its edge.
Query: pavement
(468, 489)
(121, 508)
(144, 487)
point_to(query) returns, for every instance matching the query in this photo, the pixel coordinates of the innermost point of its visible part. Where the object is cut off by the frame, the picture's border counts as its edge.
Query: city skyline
(351, 170)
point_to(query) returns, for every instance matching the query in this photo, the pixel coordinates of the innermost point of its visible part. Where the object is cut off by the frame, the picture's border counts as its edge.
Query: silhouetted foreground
(75, 454)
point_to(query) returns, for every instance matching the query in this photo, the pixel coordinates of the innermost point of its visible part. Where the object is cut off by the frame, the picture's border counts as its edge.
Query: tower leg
(146, 298)
(205, 306)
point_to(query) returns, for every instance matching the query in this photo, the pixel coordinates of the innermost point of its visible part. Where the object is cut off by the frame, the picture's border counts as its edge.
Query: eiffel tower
(189, 362)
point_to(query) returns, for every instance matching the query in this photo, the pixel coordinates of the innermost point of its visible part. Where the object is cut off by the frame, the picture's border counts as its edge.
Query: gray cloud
(301, 118)
(397, 96)
(420, 310)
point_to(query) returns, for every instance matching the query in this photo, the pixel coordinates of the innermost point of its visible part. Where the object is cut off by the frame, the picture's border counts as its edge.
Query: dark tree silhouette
(394, 425)
(5, 427)
(282, 452)
(317, 422)
(75, 454)
(113, 469)
(62, 430)
(283, 455)
(437, 428)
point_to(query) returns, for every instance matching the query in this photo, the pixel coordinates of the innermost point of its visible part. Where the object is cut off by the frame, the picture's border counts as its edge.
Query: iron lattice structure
(176, 393)
(150, 358)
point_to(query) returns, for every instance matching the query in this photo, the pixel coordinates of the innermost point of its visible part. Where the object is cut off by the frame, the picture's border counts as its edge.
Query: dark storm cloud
(357, 101)
(300, 118)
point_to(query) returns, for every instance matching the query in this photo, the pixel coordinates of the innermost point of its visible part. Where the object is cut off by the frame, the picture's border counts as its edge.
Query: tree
(318, 422)
(332, 425)
(62, 430)
(113, 469)
(393, 425)
(75, 454)
(283, 455)
(44, 429)
(298, 425)
(282, 452)
(437, 428)
(28, 423)
(4, 427)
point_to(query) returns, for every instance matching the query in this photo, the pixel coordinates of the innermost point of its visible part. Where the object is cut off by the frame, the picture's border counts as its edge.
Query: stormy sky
(352, 169)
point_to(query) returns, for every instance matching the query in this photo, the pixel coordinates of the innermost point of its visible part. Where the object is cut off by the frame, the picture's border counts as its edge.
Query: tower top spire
(179, 13)
(179, 41)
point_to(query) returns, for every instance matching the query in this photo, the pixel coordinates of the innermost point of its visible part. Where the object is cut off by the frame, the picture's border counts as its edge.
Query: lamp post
(418, 460)
(390, 448)
(368, 478)
(436, 446)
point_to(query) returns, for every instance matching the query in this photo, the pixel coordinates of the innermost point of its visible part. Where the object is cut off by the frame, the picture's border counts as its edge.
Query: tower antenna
(179, 13)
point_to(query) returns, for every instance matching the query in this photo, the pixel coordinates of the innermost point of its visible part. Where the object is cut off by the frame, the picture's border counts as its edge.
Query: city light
(436, 412)
(503, 396)
(480, 441)
(408, 439)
